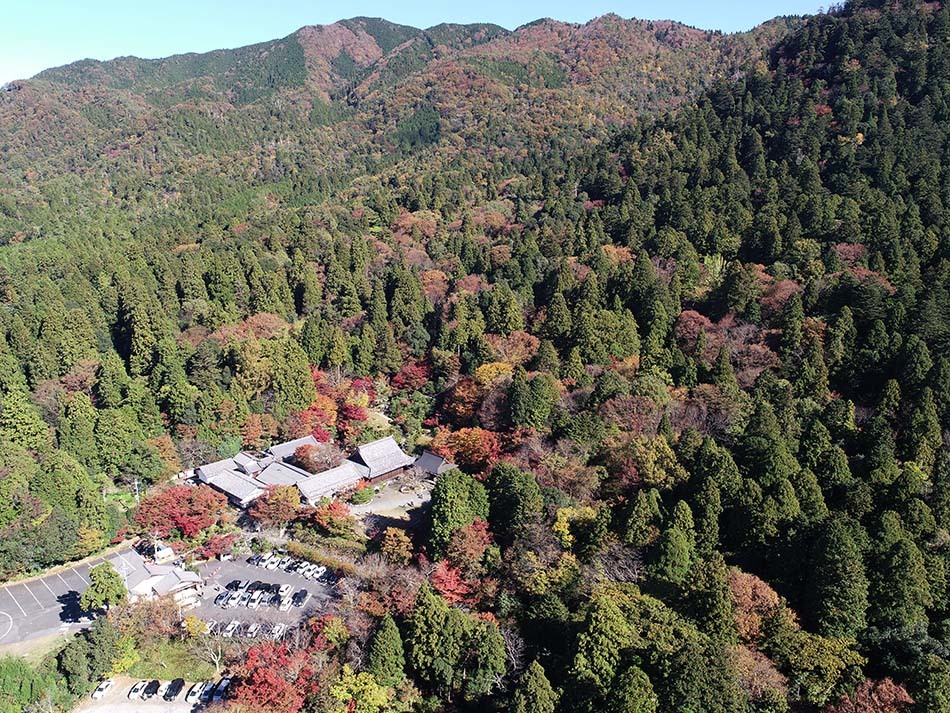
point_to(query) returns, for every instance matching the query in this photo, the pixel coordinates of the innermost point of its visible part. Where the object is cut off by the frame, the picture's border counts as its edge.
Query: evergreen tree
(534, 693)
(385, 658)
(837, 591)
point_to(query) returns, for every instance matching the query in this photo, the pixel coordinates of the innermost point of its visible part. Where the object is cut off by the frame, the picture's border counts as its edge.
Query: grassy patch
(170, 659)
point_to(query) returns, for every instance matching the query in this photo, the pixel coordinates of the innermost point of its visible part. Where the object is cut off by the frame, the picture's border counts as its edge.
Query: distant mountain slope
(346, 99)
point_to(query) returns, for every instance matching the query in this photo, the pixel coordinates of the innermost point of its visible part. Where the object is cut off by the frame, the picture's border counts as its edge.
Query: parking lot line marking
(64, 581)
(48, 588)
(31, 594)
(7, 590)
(76, 572)
(9, 625)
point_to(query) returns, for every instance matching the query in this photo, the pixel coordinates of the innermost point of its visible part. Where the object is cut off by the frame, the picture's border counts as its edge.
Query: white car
(137, 689)
(163, 689)
(311, 571)
(231, 628)
(285, 589)
(319, 571)
(285, 603)
(194, 693)
(221, 689)
(256, 599)
(273, 563)
(278, 631)
(102, 689)
(253, 630)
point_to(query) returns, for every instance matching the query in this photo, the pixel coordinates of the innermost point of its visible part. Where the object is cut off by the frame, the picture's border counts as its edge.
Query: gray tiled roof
(333, 481)
(382, 456)
(282, 474)
(237, 486)
(433, 464)
(283, 451)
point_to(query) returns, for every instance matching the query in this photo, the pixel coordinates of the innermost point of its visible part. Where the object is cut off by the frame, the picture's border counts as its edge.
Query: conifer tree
(534, 693)
(385, 658)
(837, 589)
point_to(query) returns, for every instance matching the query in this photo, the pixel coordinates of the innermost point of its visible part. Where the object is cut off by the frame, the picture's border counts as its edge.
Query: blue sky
(36, 34)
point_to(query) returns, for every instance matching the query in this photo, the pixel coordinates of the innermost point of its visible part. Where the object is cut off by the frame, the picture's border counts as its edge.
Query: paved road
(50, 604)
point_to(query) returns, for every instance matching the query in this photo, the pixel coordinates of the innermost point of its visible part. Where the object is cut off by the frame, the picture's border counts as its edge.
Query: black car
(150, 690)
(174, 688)
(273, 588)
(256, 585)
(300, 597)
(254, 560)
(233, 585)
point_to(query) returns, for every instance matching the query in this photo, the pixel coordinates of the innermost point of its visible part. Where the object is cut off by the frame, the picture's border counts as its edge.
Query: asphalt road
(50, 604)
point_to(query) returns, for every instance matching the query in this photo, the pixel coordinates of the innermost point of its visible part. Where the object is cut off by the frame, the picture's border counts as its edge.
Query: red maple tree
(272, 679)
(182, 508)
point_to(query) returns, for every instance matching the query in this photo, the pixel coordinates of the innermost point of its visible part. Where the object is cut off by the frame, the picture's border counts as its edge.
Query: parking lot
(50, 604)
(117, 701)
(218, 575)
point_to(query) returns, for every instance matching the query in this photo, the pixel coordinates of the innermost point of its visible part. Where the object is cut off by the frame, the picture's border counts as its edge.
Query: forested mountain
(304, 116)
(676, 303)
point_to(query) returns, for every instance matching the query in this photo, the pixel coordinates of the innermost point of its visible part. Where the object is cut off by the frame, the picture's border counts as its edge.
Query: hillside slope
(693, 365)
(334, 101)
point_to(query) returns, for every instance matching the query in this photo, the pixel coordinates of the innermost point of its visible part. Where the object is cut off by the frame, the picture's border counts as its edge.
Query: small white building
(182, 585)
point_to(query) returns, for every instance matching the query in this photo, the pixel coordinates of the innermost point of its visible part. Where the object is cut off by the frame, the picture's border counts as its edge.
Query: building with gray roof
(382, 457)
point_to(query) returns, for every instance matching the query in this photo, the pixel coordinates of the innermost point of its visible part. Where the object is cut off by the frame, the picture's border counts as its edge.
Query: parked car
(102, 689)
(233, 585)
(265, 559)
(254, 560)
(285, 603)
(221, 689)
(319, 570)
(253, 630)
(278, 631)
(222, 599)
(285, 562)
(207, 692)
(174, 689)
(274, 600)
(301, 598)
(285, 589)
(231, 629)
(255, 585)
(272, 564)
(163, 689)
(243, 584)
(194, 693)
(245, 598)
(256, 599)
(151, 689)
(137, 689)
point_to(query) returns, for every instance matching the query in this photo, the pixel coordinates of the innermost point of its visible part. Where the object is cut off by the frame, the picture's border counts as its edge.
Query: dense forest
(676, 303)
